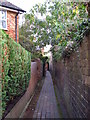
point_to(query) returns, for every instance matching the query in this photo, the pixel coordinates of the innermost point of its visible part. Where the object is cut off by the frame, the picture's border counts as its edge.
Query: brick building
(9, 19)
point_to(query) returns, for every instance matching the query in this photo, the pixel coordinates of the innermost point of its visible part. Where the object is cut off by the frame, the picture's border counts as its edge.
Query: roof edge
(13, 8)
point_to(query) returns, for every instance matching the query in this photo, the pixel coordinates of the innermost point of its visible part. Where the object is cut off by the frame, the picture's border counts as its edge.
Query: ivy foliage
(65, 48)
(15, 69)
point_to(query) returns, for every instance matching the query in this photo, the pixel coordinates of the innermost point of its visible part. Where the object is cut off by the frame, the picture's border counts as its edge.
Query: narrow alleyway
(47, 104)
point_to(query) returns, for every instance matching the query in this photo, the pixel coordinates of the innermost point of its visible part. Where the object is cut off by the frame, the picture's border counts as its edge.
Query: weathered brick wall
(72, 77)
(36, 75)
(39, 69)
(11, 25)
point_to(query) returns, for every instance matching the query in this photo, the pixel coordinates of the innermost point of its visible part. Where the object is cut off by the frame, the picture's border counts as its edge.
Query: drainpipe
(16, 26)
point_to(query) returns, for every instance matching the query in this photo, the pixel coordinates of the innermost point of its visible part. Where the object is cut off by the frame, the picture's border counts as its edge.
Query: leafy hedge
(15, 69)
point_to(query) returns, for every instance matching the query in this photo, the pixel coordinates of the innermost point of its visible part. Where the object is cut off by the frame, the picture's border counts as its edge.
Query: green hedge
(16, 62)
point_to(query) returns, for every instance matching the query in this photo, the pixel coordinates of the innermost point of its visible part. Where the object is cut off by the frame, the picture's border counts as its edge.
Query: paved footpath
(47, 105)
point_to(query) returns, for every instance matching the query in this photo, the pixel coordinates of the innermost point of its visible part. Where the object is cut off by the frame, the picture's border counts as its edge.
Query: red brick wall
(72, 78)
(39, 69)
(11, 25)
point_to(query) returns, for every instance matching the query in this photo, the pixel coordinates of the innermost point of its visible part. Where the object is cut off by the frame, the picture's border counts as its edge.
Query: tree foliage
(54, 23)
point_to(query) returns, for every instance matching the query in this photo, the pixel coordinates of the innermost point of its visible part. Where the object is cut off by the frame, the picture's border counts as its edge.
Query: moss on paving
(58, 104)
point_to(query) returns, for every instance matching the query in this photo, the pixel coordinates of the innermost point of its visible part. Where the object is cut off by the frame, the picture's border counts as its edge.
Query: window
(3, 19)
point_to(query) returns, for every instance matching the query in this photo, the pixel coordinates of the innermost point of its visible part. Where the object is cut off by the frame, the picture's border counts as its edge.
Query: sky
(26, 4)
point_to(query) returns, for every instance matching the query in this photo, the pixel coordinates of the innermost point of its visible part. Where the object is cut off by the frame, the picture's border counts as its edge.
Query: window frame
(3, 19)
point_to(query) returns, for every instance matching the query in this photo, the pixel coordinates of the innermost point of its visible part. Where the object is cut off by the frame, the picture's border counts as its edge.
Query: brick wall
(11, 25)
(72, 78)
(39, 68)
